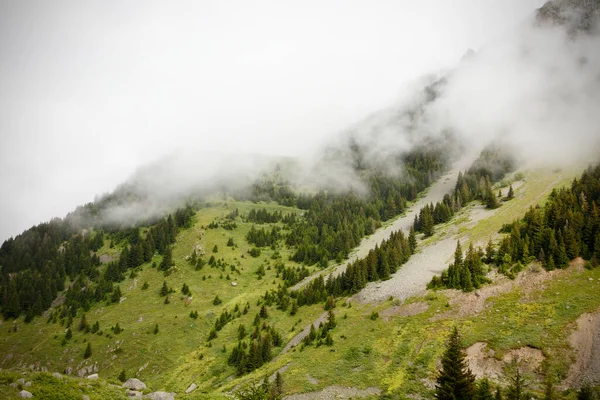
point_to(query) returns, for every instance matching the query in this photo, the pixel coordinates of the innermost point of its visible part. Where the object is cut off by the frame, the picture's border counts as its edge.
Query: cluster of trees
(36, 263)
(335, 223)
(379, 264)
(262, 216)
(290, 275)
(475, 184)
(262, 237)
(466, 272)
(568, 226)
(257, 350)
(227, 225)
(322, 334)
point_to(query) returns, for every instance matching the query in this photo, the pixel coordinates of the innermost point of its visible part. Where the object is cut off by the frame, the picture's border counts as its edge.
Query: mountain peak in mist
(577, 15)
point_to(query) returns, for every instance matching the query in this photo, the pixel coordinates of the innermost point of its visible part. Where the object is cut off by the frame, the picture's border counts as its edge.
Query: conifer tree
(88, 351)
(83, 323)
(277, 386)
(455, 381)
(164, 290)
(484, 390)
(412, 240)
(167, 260)
(511, 193)
(516, 390)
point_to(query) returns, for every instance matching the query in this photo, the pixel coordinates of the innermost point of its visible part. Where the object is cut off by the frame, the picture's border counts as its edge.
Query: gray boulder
(191, 388)
(93, 376)
(24, 394)
(134, 384)
(160, 396)
(57, 375)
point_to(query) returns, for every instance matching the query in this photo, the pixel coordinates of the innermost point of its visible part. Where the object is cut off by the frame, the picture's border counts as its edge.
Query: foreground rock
(160, 396)
(134, 384)
(191, 388)
(24, 394)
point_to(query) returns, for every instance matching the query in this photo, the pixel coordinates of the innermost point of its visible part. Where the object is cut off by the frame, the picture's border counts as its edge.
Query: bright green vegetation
(166, 344)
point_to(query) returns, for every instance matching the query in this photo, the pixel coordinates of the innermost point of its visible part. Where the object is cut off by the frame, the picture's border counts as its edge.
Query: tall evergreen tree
(484, 390)
(455, 381)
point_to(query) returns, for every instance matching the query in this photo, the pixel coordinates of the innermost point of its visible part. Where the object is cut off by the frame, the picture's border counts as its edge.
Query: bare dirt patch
(106, 258)
(406, 310)
(484, 364)
(335, 393)
(528, 281)
(586, 343)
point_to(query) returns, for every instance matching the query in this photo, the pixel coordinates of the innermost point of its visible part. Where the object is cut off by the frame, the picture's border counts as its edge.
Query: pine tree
(516, 390)
(294, 309)
(155, 329)
(167, 260)
(498, 395)
(330, 320)
(263, 312)
(277, 386)
(455, 381)
(511, 193)
(164, 290)
(484, 390)
(412, 239)
(83, 323)
(122, 376)
(88, 351)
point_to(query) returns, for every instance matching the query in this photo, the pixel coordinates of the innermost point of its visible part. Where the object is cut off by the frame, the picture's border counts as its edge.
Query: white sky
(89, 90)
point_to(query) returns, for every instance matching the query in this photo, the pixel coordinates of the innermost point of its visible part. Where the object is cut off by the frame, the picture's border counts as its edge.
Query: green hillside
(393, 345)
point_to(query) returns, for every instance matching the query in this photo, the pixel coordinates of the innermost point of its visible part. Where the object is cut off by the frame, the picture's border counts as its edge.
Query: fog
(90, 91)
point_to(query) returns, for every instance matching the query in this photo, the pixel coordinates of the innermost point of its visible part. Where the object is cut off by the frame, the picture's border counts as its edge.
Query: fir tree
(412, 239)
(83, 325)
(455, 381)
(167, 260)
(511, 193)
(277, 387)
(484, 390)
(516, 390)
(164, 290)
(88, 351)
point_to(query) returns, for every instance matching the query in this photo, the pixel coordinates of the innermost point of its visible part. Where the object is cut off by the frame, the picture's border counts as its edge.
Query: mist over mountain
(535, 90)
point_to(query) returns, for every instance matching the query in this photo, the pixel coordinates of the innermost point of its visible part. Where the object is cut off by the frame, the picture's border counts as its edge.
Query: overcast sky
(89, 90)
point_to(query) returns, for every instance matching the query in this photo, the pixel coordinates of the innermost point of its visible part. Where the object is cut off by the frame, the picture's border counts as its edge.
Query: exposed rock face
(577, 15)
(160, 396)
(24, 394)
(134, 384)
